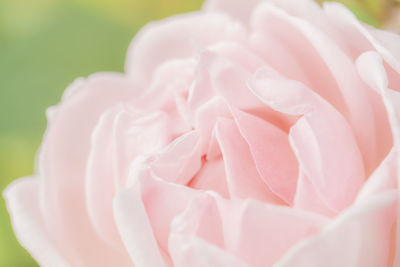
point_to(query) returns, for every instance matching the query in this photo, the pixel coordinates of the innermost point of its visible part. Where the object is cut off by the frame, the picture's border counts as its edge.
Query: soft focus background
(46, 44)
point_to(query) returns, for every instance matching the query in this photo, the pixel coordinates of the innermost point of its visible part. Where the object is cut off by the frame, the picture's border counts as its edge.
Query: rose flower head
(251, 133)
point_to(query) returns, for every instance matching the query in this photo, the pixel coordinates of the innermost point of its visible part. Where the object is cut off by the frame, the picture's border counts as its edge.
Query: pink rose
(251, 133)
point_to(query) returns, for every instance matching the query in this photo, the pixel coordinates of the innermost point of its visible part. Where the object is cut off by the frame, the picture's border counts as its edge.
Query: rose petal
(260, 234)
(196, 236)
(118, 138)
(272, 154)
(238, 54)
(358, 40)
(62, 164)
(383, 179)
(243, 179)
(162, 202)
(375, 76)
(252, 231)
(362, 233)
(205, 119)
(100, 182)
(135, 229)
(307, 198)
(180, 160)
(287, 40)
(23, 205)
(211, 177)
(219, 76)
(384, 42)
(176, 37)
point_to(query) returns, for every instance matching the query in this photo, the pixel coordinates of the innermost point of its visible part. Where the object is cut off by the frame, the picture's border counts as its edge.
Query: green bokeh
(44, 46)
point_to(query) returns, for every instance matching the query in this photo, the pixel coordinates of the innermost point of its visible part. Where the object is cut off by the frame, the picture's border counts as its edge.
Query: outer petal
(363, 232)
(242, 10)
(376, 77)
(177, 37)
(358, 40)
(119, 137)
(62, 165)
(384, 42)
(23, 205)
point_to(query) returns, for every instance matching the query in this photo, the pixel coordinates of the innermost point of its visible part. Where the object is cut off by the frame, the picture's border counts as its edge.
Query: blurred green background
(46, 44)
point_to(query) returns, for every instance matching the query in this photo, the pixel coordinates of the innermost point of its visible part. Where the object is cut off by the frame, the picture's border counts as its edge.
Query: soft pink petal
(255, 233)
(283, 59)
(100, 182)
(196, 237)
(323, 141)
(205, 119)
(329, 156)
(119, 137)
(168, 91)
(135, 229)
(341, 18)
(285, 39)
(243, 179)
(358, 40)
(211, 177)
(180, 160)
(162, 202)
(177, 37)
(220, 76)
(307, 198)
(304, 9)
(364, 231)
(360, 237)
(62, 165)
(260, 234)
(383, 179)
(376, 77)
(239, 54)
(195, 252)
(23, 205)
(273, 157)
(384, 42)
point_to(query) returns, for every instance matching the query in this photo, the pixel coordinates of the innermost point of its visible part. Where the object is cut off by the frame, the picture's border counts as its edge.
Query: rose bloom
(251, 133)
